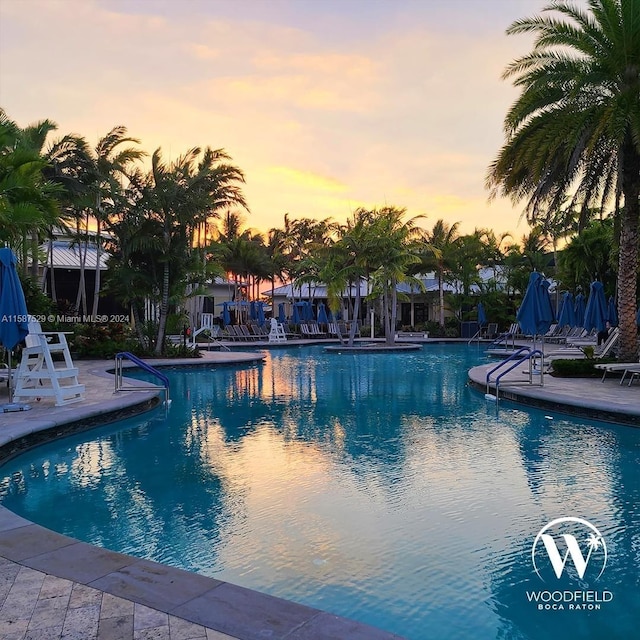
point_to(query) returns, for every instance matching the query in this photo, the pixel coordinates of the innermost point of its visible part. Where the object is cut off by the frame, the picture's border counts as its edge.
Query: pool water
(378, 487)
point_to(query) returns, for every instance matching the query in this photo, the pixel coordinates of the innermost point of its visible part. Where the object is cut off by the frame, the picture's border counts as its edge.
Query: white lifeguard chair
(277, 334)
(207, 324)
(40, 375)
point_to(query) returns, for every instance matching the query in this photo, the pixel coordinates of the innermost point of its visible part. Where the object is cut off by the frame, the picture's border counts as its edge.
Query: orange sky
(326, 106)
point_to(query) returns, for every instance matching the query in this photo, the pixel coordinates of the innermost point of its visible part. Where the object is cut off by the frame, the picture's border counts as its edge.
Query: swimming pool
(378, 487)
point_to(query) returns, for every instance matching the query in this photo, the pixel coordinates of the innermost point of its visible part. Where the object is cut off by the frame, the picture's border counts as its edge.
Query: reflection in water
(378, 487)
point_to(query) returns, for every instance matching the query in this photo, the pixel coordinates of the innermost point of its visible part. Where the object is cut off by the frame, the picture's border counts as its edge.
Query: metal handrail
(119, 357)
(521, 355)
(475, 336)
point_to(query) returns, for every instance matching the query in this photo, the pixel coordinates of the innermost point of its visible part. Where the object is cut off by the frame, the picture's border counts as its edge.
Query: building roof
(67, 255)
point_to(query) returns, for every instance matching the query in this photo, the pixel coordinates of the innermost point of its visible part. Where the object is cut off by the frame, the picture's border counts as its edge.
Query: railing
(516, 359)
(143, 365)
(476, 336)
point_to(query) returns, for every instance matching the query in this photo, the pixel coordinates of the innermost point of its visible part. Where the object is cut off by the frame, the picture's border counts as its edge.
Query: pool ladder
(535, 357)
(119, 386)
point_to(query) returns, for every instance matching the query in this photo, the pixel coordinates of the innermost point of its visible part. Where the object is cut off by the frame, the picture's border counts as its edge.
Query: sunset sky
(326, 105)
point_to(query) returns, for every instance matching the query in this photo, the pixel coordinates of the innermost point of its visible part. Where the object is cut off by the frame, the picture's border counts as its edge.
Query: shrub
(104, 340)
(578, 367)
(434, 329)
(180, 351)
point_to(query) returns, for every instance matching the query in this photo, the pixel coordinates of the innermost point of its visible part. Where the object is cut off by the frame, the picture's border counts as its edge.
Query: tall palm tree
(179, 194)
(575, 129)
(587, 256)
(442, 239)
(28, 199)
(349, 262)
(110, 165)
(394, 248)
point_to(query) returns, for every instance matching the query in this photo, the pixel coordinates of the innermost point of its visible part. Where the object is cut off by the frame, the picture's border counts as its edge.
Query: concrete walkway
(52, 586)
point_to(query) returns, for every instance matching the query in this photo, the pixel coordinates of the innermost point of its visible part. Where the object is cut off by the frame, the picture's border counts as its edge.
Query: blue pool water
(378, 487)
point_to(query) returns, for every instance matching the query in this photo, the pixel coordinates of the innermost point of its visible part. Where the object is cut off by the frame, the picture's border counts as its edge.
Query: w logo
(579, 541)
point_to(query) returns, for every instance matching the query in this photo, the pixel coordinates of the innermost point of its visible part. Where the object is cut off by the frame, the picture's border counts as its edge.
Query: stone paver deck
(593, 398)
(52, 586)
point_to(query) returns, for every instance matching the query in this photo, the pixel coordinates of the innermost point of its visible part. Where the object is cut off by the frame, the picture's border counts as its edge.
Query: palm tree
(28, 199)
(349, 262)
(588, 255)
(575, 129)
(109, 166)
(180, 194)
(395, 246)
(442, 239)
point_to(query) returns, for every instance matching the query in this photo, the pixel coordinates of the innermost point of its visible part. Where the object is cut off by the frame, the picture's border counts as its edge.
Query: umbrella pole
(10, 385)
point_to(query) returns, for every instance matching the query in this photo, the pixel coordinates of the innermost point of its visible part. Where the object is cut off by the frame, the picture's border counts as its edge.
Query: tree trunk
(24, 250)
(34, 255)
(391, 338)
(52, 274)
(441, 296)
(96, 288)
(137, 323)
(387, 314)
(81, 298)
(164, 300)
(628, 258)
(164, 310)
(354, 321)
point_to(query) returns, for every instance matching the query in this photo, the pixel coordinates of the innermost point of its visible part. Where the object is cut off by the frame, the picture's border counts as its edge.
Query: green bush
(104, 340)
(38, 304)
(578, 367)
(434, 329)
(180, 351)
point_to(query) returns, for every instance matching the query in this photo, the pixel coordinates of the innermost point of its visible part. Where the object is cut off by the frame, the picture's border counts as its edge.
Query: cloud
(323, 109)
(290, 177)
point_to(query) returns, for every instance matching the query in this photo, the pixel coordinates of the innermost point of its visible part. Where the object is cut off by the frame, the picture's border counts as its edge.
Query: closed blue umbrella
(612, 312)
(282, 318)
(253, 310)
(14, 326)
(535, 314)
(567, 316)
(226, 316)
(482, 316)
(308, 311)
(595, 315)
(322, 314)
(579, 310)
(260, 313)
(545, 301)
(296, 314)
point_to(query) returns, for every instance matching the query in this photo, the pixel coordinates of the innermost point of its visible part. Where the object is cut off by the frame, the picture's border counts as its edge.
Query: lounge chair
(334, 330)
(314, 330)
(507, 338)
(633, 371)
(491, 331)
(577, 351)
(42, 374)
(628, 368)
(305, 331)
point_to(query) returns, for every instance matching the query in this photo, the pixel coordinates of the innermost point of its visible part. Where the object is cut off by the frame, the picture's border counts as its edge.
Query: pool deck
(53, 586)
